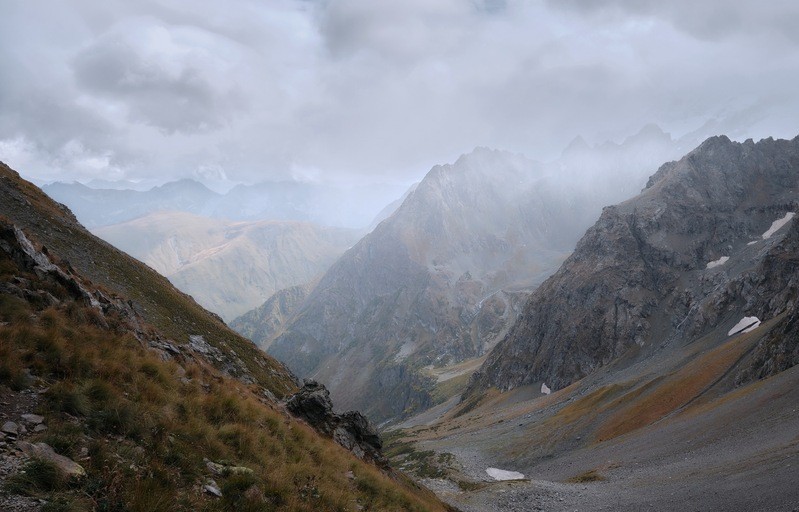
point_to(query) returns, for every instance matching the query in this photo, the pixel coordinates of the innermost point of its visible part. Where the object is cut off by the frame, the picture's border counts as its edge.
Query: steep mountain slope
(441, 280)
(687, 256)
(266, 321)
(229, 267)
(162, 405)
(657, 369)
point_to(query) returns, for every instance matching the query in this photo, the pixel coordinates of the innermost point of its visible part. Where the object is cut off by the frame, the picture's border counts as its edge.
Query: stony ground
(737, 452)
(13, 405)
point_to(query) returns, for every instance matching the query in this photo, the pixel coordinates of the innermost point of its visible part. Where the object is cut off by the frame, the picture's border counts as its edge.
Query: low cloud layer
(342, 90)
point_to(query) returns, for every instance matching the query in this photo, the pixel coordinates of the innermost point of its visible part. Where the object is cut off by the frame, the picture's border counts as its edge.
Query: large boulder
(67, 466)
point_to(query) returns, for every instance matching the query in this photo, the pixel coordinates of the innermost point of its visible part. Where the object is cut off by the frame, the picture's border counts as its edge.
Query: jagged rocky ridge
(688, 257)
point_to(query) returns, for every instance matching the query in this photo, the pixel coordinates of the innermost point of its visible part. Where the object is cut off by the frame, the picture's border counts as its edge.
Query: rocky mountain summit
(710, 243)
(399, 321)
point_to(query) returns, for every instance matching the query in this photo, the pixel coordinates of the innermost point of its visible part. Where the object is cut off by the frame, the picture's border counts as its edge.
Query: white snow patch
(753, 242)
(545, 389)
(718, 262)
(777, 224)
(501, 474)
(746, 324)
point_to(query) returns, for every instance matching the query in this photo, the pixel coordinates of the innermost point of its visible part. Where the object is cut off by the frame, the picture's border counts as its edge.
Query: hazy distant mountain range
(229, 267)
(329, 205)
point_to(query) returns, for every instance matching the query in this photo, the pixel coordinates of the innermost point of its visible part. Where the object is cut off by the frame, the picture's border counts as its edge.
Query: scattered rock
(33, 419)
(10, 428)
(212, 488)
(215, 468)
(40, 428)
(68, 467)
(221, 469)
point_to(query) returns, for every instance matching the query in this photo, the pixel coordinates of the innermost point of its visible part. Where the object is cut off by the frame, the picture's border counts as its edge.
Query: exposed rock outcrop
(351, 429)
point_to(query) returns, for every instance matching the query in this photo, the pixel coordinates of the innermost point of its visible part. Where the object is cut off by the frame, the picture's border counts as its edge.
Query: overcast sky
(373, 89)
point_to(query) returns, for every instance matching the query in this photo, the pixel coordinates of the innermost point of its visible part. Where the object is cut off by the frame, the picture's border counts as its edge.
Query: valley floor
(733, 452)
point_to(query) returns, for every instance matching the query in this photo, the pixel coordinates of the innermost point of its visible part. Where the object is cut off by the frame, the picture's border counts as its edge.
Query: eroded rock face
(351, 430)
(640, 278)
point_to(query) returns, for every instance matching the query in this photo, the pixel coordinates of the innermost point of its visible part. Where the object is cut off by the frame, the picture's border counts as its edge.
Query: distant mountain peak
(578, 145)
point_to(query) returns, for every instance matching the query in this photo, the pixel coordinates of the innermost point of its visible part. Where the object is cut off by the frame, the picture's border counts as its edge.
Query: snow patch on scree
(777, 224)
(745, 324)
(545, 389)
(501, 474)
(718, 262)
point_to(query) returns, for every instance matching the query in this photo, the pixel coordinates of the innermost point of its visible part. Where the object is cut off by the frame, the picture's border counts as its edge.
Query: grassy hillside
(151, 427)
(175, 314)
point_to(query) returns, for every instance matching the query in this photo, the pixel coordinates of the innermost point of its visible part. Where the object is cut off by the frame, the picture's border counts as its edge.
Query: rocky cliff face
(706, 244)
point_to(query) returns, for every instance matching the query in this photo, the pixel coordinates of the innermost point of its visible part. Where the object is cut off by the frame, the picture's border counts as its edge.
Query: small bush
(64, 438)
(240, 492)
(59, 505)
(63, 397)
(36, 476)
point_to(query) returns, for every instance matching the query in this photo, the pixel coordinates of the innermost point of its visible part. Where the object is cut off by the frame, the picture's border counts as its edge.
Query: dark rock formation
(351, 430)
(640, 278)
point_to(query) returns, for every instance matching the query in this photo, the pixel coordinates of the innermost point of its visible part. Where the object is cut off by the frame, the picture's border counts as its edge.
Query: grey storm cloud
(370, 90)
(708, 19)
(178, 99)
